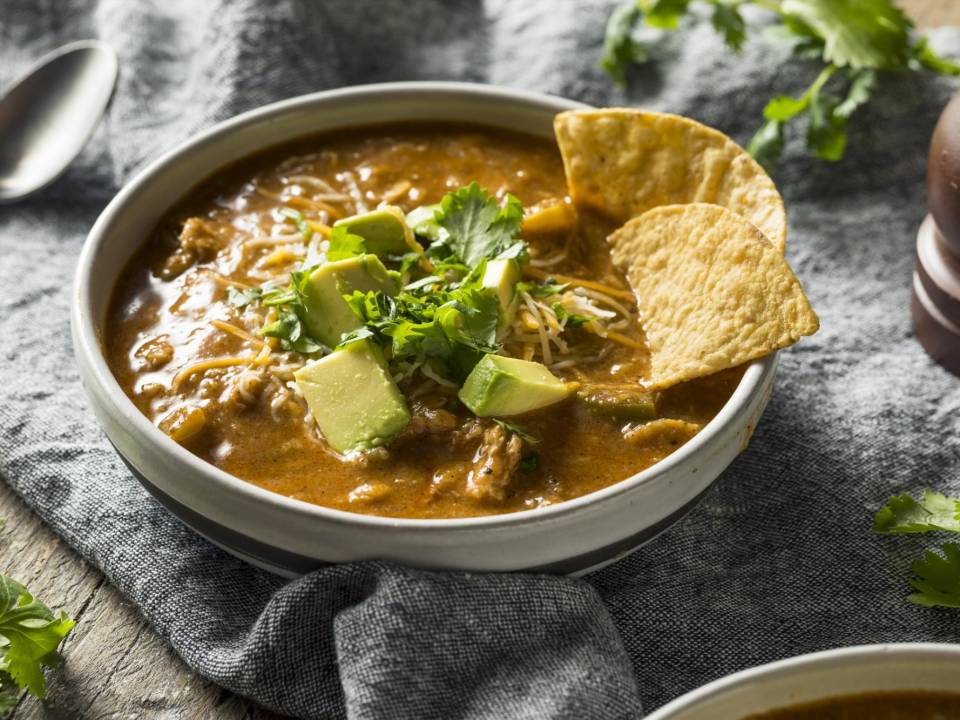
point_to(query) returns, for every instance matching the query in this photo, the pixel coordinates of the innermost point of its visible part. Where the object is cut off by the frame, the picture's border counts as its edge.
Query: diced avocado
(384, 230)
(351, 395)
(622, 402)
(502, 276)
(421, 221)
(500, 386)
(328, 315)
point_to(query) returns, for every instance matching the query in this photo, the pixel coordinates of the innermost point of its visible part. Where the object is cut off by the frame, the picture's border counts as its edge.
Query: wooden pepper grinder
(935, 305)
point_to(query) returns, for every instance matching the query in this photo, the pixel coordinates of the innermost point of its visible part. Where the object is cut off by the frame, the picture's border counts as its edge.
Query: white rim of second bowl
(840, 657)
(119, 405)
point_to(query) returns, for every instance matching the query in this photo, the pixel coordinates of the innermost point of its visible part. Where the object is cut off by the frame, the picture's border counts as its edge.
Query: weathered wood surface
(117, 667)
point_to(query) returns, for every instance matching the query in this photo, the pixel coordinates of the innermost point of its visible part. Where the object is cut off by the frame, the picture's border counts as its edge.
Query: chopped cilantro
(289, 326)
(29, 637)
(450, 328)
(242, 298)
(542, 290)
(853, 39)
(902, 514)
(344, 244)
(301, 222)
(529, 462)
(517, 430)
(478, 228)
(572, 319)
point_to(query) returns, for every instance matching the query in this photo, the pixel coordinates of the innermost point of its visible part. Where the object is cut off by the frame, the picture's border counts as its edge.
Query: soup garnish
(416, 321)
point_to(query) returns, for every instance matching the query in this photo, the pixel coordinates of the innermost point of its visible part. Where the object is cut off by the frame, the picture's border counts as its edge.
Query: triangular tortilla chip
(624, 162)
(713, 292)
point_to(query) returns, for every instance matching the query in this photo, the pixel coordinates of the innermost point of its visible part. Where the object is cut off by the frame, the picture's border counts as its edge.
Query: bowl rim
(90, 355)
(836, 657)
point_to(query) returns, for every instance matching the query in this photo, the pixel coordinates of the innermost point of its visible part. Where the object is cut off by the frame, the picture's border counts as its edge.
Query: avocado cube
(502, 277)
(384, 230)
(328, 315)
(353, 398)
(501, 386)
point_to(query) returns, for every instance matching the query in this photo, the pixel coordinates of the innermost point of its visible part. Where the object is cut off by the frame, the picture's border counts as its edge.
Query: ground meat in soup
(187, 349)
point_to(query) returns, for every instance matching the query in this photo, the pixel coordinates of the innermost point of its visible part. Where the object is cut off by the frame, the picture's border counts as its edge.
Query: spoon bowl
(50, 113)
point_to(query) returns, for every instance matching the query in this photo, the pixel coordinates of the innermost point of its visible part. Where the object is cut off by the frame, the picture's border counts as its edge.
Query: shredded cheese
(239, 332)
(205, 365)
(541, 330)
(225, 281)
(548, 262)
(317, 182)
(579, 282)
(354, 190)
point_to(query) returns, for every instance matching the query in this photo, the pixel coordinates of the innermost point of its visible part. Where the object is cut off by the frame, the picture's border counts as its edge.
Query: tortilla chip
(713, 292)
(624, 162)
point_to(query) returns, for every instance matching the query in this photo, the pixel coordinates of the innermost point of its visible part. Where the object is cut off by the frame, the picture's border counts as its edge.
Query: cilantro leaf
(855, 33)
(29, 636)
(290, 325)
(529, 462)
(344, 244)
(766, 146)
(862, 83)
(728, 21)
(541, 290)
(569, 319)
(301, 222)
(663, 14)
(924, 56)
(479, 229)
(243, 297)
(902, 514)
(937, 578)
(619, 47)
(517, 430)
(289, 329)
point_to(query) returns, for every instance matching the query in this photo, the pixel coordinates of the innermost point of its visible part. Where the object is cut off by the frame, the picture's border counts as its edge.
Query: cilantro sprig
(29, 637)
(936, 576)
(853, 40)
(478, 228)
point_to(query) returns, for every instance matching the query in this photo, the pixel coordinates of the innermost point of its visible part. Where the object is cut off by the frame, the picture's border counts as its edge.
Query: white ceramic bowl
(290, 536)
(818, 676)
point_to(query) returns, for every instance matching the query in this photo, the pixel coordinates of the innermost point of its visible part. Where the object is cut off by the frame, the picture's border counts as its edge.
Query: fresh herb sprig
(853, 40)
(29, 637)
(936, 576)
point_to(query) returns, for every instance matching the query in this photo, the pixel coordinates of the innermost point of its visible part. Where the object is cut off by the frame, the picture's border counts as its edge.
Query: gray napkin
(778, 560)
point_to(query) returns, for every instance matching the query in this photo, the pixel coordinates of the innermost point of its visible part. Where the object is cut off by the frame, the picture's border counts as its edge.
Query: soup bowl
(927, 667)
(289, 536)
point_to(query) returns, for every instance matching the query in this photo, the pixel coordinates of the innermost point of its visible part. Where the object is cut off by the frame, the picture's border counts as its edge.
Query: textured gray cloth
(779, 559)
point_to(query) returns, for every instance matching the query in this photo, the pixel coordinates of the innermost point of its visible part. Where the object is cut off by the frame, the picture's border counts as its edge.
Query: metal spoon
(49, 114)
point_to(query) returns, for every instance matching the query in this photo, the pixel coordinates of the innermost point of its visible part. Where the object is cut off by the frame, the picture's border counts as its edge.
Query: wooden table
(116, 665)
